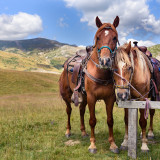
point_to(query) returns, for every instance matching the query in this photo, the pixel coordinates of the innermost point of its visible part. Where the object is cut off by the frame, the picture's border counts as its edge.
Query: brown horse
(131, 67)
(98, 82)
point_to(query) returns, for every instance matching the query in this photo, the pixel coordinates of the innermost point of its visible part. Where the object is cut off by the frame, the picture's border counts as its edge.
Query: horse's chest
(99, 91)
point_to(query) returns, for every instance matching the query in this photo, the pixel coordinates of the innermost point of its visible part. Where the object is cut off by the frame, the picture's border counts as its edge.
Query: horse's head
(106, 40)
(123, 66)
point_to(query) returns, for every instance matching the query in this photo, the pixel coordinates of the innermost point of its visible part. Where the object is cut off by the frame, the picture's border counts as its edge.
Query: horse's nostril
(108, 60)
(123, 96)
(119, 95)
(102, 62)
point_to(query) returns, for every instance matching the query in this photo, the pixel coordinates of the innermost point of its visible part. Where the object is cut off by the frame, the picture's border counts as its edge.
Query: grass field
(33, 123)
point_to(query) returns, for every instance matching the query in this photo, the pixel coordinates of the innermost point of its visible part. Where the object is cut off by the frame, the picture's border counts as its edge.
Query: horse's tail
(60, 85)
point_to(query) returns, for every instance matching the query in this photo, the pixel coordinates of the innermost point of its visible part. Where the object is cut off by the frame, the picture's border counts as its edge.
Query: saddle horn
(135, 43)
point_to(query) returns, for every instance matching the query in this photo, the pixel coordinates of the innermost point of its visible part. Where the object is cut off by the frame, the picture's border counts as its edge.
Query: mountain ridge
(31, 44)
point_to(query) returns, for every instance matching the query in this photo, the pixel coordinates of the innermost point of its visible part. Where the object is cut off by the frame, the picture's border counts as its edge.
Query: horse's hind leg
(82, 109)
(68, 110)
(150, 130)
(143, 124)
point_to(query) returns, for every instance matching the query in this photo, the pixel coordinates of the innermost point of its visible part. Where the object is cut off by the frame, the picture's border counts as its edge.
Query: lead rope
(147, 106)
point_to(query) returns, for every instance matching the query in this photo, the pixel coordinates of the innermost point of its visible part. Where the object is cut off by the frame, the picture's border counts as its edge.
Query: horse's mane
(135, 53)
(102, 27)
(121, 55)
(140, 57)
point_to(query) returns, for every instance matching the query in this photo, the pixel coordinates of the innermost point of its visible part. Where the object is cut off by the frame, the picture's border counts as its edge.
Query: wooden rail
(133, 107)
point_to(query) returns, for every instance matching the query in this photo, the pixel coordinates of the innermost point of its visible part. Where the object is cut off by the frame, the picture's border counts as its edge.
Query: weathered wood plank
(132, 132)
(138, 104)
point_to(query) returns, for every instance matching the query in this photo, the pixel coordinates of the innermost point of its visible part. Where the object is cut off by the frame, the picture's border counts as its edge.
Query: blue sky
(73, 21)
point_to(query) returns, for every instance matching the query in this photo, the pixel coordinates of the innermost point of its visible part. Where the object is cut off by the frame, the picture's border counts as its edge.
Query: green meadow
(33, 123)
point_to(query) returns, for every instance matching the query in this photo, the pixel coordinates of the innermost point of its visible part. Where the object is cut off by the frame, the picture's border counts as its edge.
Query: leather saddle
(143, 49)
(75, 65)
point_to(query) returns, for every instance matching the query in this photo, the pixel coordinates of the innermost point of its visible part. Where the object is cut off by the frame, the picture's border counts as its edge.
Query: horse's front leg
(92, 122)
(124, 145)
(82, 109)
(143, 124)
(150, 130)
(109, 109)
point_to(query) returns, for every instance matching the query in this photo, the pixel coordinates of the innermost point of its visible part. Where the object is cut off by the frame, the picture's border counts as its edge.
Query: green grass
(17, 82)
(155, 50)
(33, 123)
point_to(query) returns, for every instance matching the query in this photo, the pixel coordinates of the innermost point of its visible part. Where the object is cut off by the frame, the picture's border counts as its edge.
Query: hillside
(31, 44)
(23, 62)
(37, 54)
(17, 82)
(155, 50)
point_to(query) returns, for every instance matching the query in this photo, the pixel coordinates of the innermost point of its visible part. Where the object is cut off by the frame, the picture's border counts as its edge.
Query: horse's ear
(128, 47)
(98, 22)
(116, 22)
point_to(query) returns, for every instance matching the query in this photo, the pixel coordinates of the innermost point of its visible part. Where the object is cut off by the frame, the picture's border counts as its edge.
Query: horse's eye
(98, 39)
(130, 68)
(115, 38)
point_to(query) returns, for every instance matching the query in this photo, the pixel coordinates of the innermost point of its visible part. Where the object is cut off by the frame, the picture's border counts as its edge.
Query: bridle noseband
(112, 56)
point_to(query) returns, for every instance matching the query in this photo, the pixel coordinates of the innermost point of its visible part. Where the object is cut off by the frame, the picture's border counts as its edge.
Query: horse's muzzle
(106, 63)
(123, 96)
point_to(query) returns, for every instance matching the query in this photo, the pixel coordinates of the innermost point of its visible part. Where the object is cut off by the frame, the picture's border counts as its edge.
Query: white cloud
(142, 43)
(19, 26)
(62, 23)
(134, 15)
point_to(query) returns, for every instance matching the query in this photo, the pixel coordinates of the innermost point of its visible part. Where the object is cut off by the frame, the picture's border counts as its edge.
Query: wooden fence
(133, 107)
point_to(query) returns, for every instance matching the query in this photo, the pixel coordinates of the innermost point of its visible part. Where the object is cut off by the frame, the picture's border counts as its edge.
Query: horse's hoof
(115, 150)
(151, 137)
(124, 148)
(85, 136)
(94, 150)
(145, 151)
(68, 135)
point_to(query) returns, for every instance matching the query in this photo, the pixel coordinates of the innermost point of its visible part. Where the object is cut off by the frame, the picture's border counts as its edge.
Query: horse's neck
(94, 70)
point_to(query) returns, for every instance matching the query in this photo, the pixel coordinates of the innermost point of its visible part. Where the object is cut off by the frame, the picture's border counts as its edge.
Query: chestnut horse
(131, 67)
(98, 82)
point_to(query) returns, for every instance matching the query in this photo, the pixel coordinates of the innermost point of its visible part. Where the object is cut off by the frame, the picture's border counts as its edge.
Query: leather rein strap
(100, 81)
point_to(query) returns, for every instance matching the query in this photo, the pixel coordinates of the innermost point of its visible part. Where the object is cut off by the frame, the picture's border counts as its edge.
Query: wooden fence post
(133, 107)
(132, 132)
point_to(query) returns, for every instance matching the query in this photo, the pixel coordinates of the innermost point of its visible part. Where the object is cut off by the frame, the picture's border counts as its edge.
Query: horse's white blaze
(121, 65)
(106, 33)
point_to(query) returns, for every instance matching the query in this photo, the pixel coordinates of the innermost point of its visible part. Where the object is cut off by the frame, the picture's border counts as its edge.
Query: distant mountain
(37, 54)
(31, 44)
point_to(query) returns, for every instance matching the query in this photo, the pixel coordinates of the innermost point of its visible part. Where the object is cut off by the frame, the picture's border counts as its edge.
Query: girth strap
(100, 81)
